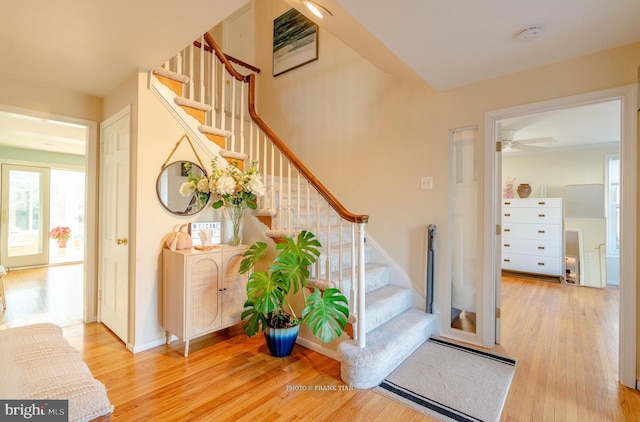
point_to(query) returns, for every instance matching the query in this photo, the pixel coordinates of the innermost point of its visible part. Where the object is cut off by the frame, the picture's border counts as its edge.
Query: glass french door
(25, 216)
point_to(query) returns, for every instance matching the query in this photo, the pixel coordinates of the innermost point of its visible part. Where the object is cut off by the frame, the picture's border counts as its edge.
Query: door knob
(121, 241)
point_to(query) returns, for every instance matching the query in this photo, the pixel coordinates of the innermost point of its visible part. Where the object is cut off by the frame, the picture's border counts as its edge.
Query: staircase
(216, 105)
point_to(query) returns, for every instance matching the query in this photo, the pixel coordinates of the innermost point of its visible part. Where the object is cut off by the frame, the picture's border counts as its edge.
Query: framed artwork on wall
(295, 41)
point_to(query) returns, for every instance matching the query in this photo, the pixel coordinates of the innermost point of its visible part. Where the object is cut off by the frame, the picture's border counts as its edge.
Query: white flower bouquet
(232, 186)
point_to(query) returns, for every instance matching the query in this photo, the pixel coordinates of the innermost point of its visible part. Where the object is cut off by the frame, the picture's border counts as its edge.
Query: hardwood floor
(564, 338)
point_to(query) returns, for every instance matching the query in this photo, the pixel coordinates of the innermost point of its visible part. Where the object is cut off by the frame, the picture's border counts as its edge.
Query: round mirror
(168, 188)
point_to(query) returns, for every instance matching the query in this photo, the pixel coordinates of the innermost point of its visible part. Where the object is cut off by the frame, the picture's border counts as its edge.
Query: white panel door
(114, 224)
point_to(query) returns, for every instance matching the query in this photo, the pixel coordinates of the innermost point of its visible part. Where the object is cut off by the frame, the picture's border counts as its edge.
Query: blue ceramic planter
(280, 341)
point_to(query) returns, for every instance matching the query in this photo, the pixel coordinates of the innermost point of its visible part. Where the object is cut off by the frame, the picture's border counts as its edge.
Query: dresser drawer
(531, 264)
(533, 247)
(532, 202)
(532, 231)
(532, 215)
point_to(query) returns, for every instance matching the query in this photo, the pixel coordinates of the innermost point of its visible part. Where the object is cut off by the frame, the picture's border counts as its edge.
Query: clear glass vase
(233, 225)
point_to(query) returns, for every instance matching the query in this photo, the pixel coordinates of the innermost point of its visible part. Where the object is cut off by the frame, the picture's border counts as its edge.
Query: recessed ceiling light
(528, 34)
(317, 9)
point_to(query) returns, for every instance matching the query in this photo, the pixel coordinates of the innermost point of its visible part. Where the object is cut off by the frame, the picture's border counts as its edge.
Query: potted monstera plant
(269, 290)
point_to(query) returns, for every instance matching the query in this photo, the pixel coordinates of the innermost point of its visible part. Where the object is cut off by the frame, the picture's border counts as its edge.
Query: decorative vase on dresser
(524, 190)
(532, 236)
(202, 291)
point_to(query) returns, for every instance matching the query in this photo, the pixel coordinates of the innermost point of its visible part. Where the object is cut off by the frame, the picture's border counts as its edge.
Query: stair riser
(387, 347)
(334, 237)
(380, 311)
(302, 220)
(334, 262)
(376, 276)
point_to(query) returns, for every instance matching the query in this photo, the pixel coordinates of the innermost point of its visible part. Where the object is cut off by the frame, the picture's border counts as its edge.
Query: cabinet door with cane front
(234, 287)
(203, 282)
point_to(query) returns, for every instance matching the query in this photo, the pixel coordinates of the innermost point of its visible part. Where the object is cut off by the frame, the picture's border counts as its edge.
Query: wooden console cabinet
(202, 291)
(532, 235)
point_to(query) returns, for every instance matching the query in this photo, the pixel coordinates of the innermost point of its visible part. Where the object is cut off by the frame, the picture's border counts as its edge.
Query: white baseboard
(317, 348)
(142, 347)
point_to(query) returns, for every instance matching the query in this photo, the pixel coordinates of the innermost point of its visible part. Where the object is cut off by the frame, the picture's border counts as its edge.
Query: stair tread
(369, 269)
(232, 154)
(384, 304)
(215, 131)
(386, 336)
(182, 101)
(385, 293)
(386, 347)
(179, 77)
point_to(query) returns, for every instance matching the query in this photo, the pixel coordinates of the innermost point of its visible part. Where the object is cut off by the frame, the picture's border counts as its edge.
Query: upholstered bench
(37, 363)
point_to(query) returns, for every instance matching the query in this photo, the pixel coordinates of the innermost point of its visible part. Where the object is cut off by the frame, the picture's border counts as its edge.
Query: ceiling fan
(523, 144)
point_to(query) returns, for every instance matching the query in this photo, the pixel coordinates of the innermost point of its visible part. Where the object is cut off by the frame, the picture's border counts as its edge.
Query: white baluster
(191, 71)
(299, 196)
(340, 257)
(223, 91)
(201, 75)
(280, 210)
(242, 107)
(178, 62)
(317, 209)
(328, 232)
(307, 218)
(289, 199)
(214, 88)
(251, 132)
(273, 192)
(233, 113)
(354, 283)
(361, 288)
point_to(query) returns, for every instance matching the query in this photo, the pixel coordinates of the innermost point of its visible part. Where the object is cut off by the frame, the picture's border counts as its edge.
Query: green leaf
(326, 314)
(266, 291)
(252, 256)
(252, 320)
(217, 204)
(295, 258)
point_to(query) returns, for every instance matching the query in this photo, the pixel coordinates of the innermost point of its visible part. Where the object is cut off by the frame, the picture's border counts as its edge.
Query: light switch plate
(426, 182)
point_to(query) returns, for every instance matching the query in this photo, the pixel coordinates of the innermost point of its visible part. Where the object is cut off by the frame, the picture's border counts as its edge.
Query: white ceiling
(454, 43)
(23, 131)
(90, 47)
(589, 126)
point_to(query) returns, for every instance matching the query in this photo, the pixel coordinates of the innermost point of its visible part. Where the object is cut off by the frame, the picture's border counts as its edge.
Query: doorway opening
(45, 199)
(627, 96)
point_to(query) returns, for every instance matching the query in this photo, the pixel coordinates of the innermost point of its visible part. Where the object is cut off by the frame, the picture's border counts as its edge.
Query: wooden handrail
(229, 57)
(223, 58)
(322, 190)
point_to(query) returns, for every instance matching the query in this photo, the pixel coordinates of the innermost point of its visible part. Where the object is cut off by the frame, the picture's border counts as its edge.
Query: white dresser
(532, 235)
(202, 291)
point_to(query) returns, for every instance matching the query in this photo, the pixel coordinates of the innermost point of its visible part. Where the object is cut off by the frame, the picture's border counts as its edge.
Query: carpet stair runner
(394, 328)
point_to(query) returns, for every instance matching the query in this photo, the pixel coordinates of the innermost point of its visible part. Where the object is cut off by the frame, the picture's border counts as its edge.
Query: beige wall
(556, 169)
(42, 98)
(154, 133)
(369, 136)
